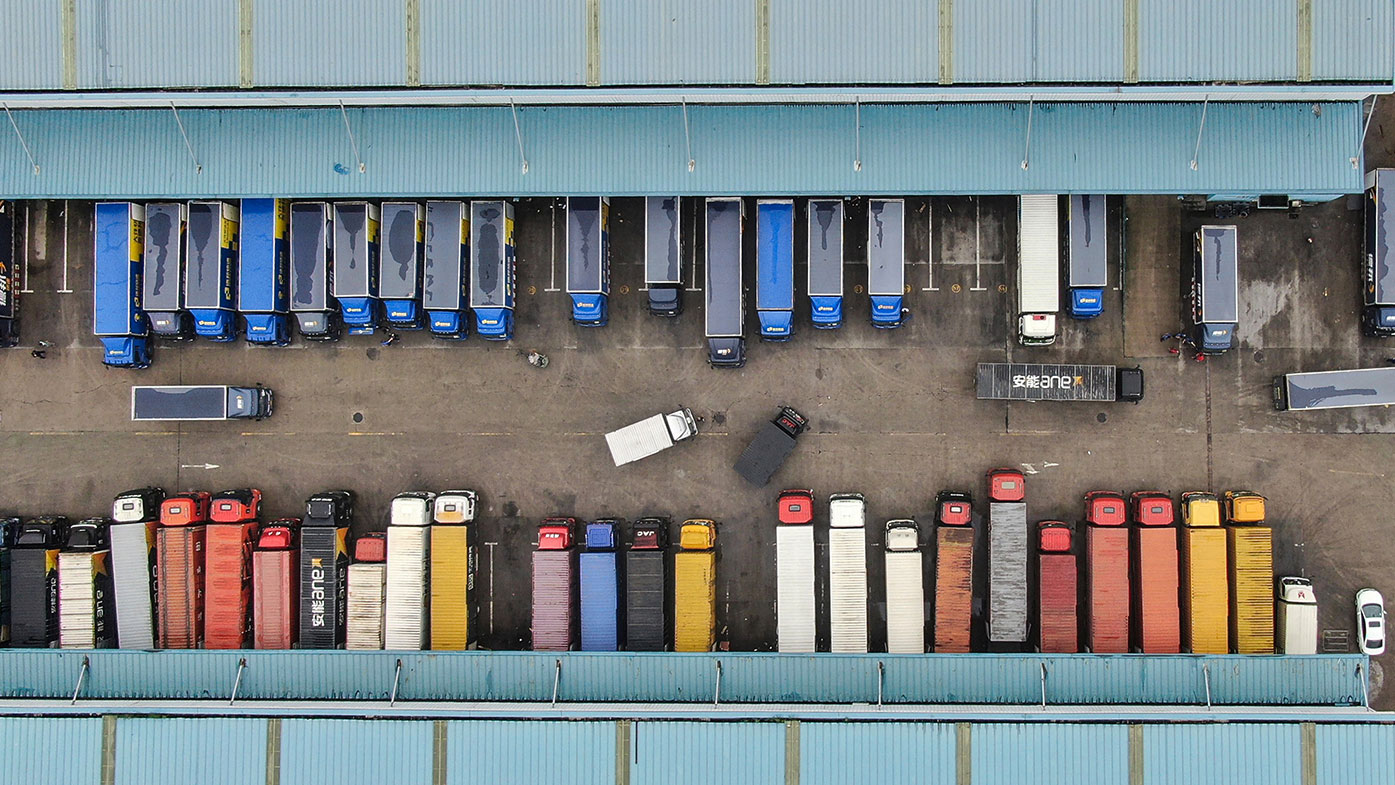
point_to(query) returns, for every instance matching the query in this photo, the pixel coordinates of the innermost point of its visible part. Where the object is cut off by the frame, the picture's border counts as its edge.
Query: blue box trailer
(162, 285)
(826, 263)
(1087, 271)
(263, 286)
(316, 312)
(886, 261)
(492, 270)
(775, 268)
(210, 278)
(400, 265)
(355, 283)
(588, 259)
(117, 317)
(445, 278)
(601, 610)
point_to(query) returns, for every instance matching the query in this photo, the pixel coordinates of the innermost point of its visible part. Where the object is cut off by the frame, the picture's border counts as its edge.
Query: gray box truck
(200, 402)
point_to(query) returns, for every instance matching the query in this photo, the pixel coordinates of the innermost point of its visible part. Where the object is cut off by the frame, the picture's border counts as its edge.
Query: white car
(1370, 621)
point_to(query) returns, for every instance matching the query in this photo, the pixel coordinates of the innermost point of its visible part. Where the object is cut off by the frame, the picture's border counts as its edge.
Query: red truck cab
(953, 508)
(649, 534)
(185, 509)
(236, 506)
(555, 534)
(371, 548)
(797, 506)
(1055, 537)
(1007, 485)
(279, 535)
(1153, 508)
(1105, 508)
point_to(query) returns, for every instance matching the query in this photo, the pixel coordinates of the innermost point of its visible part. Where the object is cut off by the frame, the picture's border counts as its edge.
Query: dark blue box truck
(775, 268)
(602, 615)
(826, 263)
(886, 261)
(726, 290)
(1215, 289)
(492, 269)
(355, 284)
(263, 288)
(117, 317)
(316, 312)
(1088, 251)
(663, 254)
(324, 569)
(446, 276)
(1378, 317)
(162, 297)
(9, 277)
(647, 586)
(210, 276)
(399, 269)
(588, 259)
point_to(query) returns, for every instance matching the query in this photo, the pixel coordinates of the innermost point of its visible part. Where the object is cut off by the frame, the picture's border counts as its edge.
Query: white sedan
(1370, 621)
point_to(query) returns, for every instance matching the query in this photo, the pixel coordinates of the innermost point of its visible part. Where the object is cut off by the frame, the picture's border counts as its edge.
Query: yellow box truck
(695, 587)
(1250, 554)
(1205, 592)
(452, 574)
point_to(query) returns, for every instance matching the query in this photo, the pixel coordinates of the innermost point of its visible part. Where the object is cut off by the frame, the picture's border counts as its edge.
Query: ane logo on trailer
(1045, 381)
(317, 592)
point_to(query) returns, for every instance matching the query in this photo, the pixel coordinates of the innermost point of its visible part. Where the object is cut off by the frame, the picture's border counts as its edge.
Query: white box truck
(794, 568)
(1298, 623)
(1038, 269)
(651, 435)
(408, 559)
(847, 573)
(905, 589)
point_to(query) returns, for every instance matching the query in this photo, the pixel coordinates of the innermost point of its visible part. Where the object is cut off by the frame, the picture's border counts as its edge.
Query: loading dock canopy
(886, 247)
(163, 249)
(487, 247)
(399, 276)
(1089, 264)
(584, 265)
(309, 265)
(663, 256)
(441, 288)
(1220, 293)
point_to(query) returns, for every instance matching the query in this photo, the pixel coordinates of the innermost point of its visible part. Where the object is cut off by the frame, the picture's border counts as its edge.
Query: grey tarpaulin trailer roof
(180, 402)
(399, 262)
(1337, 389)
(352, 277)
(309, 256)
(1045, 382)
(163, 248)
(585, 267)
(826, 248)
(203, 281)
(1220, 287)
(886, 246)
(441, 289)
(1089, 254)
(725, 293)
(663, 247)
(487, 246)
(1380, 234)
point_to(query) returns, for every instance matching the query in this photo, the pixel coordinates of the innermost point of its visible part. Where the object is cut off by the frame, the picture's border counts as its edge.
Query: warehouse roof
(986, 148)
(440, 43)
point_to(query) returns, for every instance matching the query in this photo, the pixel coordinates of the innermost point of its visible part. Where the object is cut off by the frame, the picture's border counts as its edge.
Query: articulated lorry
(601, 578)
(1038, 269)
(446, 265)
(588, 259)
(954, 571)
(117, 317)
(1334, 389)
(1058, 382)
(695, 587)
(647, 586)
(847, 573)
(726, 289)
(355, 284)
(229, 539)
(794, 571)
(1215, 289)
(493, 269)
(275, 581)
(9, 277)
(179, 576)
(1250, 560)
(1205, 591)
(905, 588)
(825, 260)
(886, 261)
(650, 436)
(775, 268)
(1007, 557)
(200, 402)
(408, 571)
(162, 285)
(1107, 573)
(452, 570)
(1153, 560)
(663, 254)
(1057, 624)
(367, 594)
(554, 586)
(400, 265)
(263, 272)
(1378, 315)
(86, 618)
(135, 516)
(1087, 270)
(312, 275)
(766, 453)
(324, 569)
(33, 586)
(210, 282)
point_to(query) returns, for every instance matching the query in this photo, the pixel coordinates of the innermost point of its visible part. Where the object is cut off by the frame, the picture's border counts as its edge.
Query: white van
(1298, 631)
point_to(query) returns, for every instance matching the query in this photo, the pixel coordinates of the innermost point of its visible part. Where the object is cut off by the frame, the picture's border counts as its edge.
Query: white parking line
(978, 253)
(64, 289)
(552, 287)
(490, 546)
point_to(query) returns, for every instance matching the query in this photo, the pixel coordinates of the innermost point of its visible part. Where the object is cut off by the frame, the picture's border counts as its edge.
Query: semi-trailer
(210, 282)
(650, 436)
(766, 453)
(312, 275)
(324, 569)
(33, 588)
(554, 625)
(117, 317)
(954, 571)
(9, 277)
(263, 272)
(135, 516)
(492, 269)
(1297, 617)
(647, 586)
(1215, 289)
(825, 259)
(847, 573)
(275, 581)
(588, 259)
(725, 291)
(230, 537)
(400, 265)
(794, 571)
(1087, 269)
(408, 571)
(775, 268)
(356, 249)
(1007, 557)
(200, 402)
(446, 270)
(1057, 623)
(85, 611)
(1250, 560)
(1342, 389)
(1038, 269)
(663, 254)
(452, 569)
(366, 594)
(179, 578)
(1107, 572)
(905, 588)
(1153, 560)
(1205, 591)
(1378, 316)
(602, 614)
(162, 285)
(886, 261)
(695, 587)
(8, 527)
(1058, 382)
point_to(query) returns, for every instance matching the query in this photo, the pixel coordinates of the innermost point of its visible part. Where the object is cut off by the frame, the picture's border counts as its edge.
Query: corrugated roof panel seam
(1250, 752)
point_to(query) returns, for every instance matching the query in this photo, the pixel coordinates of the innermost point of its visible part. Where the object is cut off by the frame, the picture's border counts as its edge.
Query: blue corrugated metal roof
(677, 42)
(1222, 753)
(912, 753)
(30, 48)
(1206, 41)
(530, 753)
(703, 753)
(321, 44)
(754, 150)
(50, 751)
(1347, 33)
(1055, 754)
(1347, 754)
(356, 752)
(225, 751)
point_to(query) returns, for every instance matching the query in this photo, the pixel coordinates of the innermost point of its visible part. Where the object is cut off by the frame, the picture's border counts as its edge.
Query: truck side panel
(1156, 616)
(694, 601)
(179, 580)
(408, 560)
(600, 601)
(367, 603)
(954, 596)
(775, 268)
(324, 568)
(450, 587)
(1205, 595)
(554, 600)
(905, 602)
(132, 567)
(1250, 552)
(1056, 603)
(1107, 573)
(275, 609)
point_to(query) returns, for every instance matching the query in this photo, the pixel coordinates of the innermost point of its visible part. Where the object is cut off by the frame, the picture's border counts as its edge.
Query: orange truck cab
(185, 509)
(236, 506)
(1244, 507)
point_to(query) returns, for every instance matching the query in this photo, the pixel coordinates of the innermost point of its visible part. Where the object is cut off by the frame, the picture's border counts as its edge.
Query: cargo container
(1107, 573)
(1378, 316)
(324, 569)
(726, 289)
(492, 269)
(1250, 556)
(275, 582)
(886, 261)
(905, 588)
(588, 259)
(356, 249)
(794, 571)
(1057, 625)
(400, 265)
(554, 586)
(200, 402)
(602, 614)
(452, 570)
(210, 282)
(1038, 269)
(775, 268)
(1297, 624)
(34, 582)
(8, 527)
(825, 261)
(408, 571)
(1058, 382)
(312, 275)
(446, 276)
(695, 587)
(650, 436)
(179, 577)
(367, 593)
(1153, 561)
(663, 254)
(1087, 272)
(1342, 389)
(263, 272)
(766, 453)
(1215, 289)
(1007, 572)
(162, 286)
(9, 277)
(1205, 592)
(847, 573)
(227, 622)
(85, 611)
(117, 318)
(647, 586)
(954, 571)
(135, 515)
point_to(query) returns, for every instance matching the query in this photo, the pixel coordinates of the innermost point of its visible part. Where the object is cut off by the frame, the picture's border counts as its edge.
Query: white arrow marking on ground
(198, 466)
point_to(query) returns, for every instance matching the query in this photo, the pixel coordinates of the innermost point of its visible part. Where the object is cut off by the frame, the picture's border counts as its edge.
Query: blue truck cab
(1087, 271)
(492, 270)
(602, 613)
(263, 272)
(775, 268)
(588, 259)
(826, 263)
(210, 278)
(400, 265)
(356, 228)
(446, 275)
(886, 261)
(117, 318)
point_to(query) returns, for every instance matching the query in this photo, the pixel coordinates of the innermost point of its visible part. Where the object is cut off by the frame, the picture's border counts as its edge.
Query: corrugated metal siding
(1203, 40)
(1353, 37)
(1014, 753)
(222, 751)
(156, 43)
(1077, 42)
(52, 751)
(890, 753)
(1222, 753)
(677, 42)
(530, 753)
(1354, 753)
(833, 41)
(489, 42)
(339, 43)
(31, 47)
(994, 42)
(703, 753)
(356, 752)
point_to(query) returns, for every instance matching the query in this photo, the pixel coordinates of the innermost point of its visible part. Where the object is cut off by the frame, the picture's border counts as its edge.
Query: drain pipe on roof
(198, 167)
(717, 692)
(1196, 151)
(396, 676)
(1043, 686)
(1206, 678)
(1365, 694)
(86, 664)
(857, 134)
(518, 135)
(362, 167)
(237, 682)
(1355, 156)
(556, 681)
(688, 136)
(881, 679)
(25, 144)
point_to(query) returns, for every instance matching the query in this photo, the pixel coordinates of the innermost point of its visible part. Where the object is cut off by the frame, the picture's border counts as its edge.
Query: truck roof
(1105, 508)
(443, 267)
(1340, 389)
(796, 507)
(775, 254)
(208, 271)
(164, 250)
(309, 256)
(1380, 233)
(725, 292)
(1153, 508)
(1218, 276)
(697, 534)
(399, 262)
(1006, 485)
(489, 254)
(115, 286)
(663, 248)
(1089, 247)
(180, 402)
(886, 246)
(412, 508)
(354, 236)
(586, 244)
(261, 268)
(826, 247)
(1046, 382)
(847, 511)
(1039, 253)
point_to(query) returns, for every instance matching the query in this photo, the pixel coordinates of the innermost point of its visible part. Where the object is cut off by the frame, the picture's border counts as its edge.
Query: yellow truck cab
(697, 535)
(1244, 507)
(1200, 508)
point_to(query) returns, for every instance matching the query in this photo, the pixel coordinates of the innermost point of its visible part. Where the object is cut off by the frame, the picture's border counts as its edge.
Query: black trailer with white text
(1058, 382)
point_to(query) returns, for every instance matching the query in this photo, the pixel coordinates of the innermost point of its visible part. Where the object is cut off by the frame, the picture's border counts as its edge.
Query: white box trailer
(367, 583)
(408, 565)
(905, 589)
(651, 435)
(1038, 268)
(794, 567)
(132, 564)
(1342, 389)
(847, 573)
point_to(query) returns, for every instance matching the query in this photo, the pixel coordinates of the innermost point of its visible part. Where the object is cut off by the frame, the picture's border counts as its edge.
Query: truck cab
(1244, 507)
(698, 534)
(1006, 485)
(455, 507)
(796, 507)
(663, 254)
(411, 508)
(141, 504)
(555, 534)
(1200, 508)
(88, 534)
(278, 535)
(1105, 508)
(847, 511)
(236, 506)
(603, 534)
(1054, 537)
(953, 508)
(334, 508)
(1152, 508)
(370, 548)
(649, 534)
(902, 534)
(185, 509)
